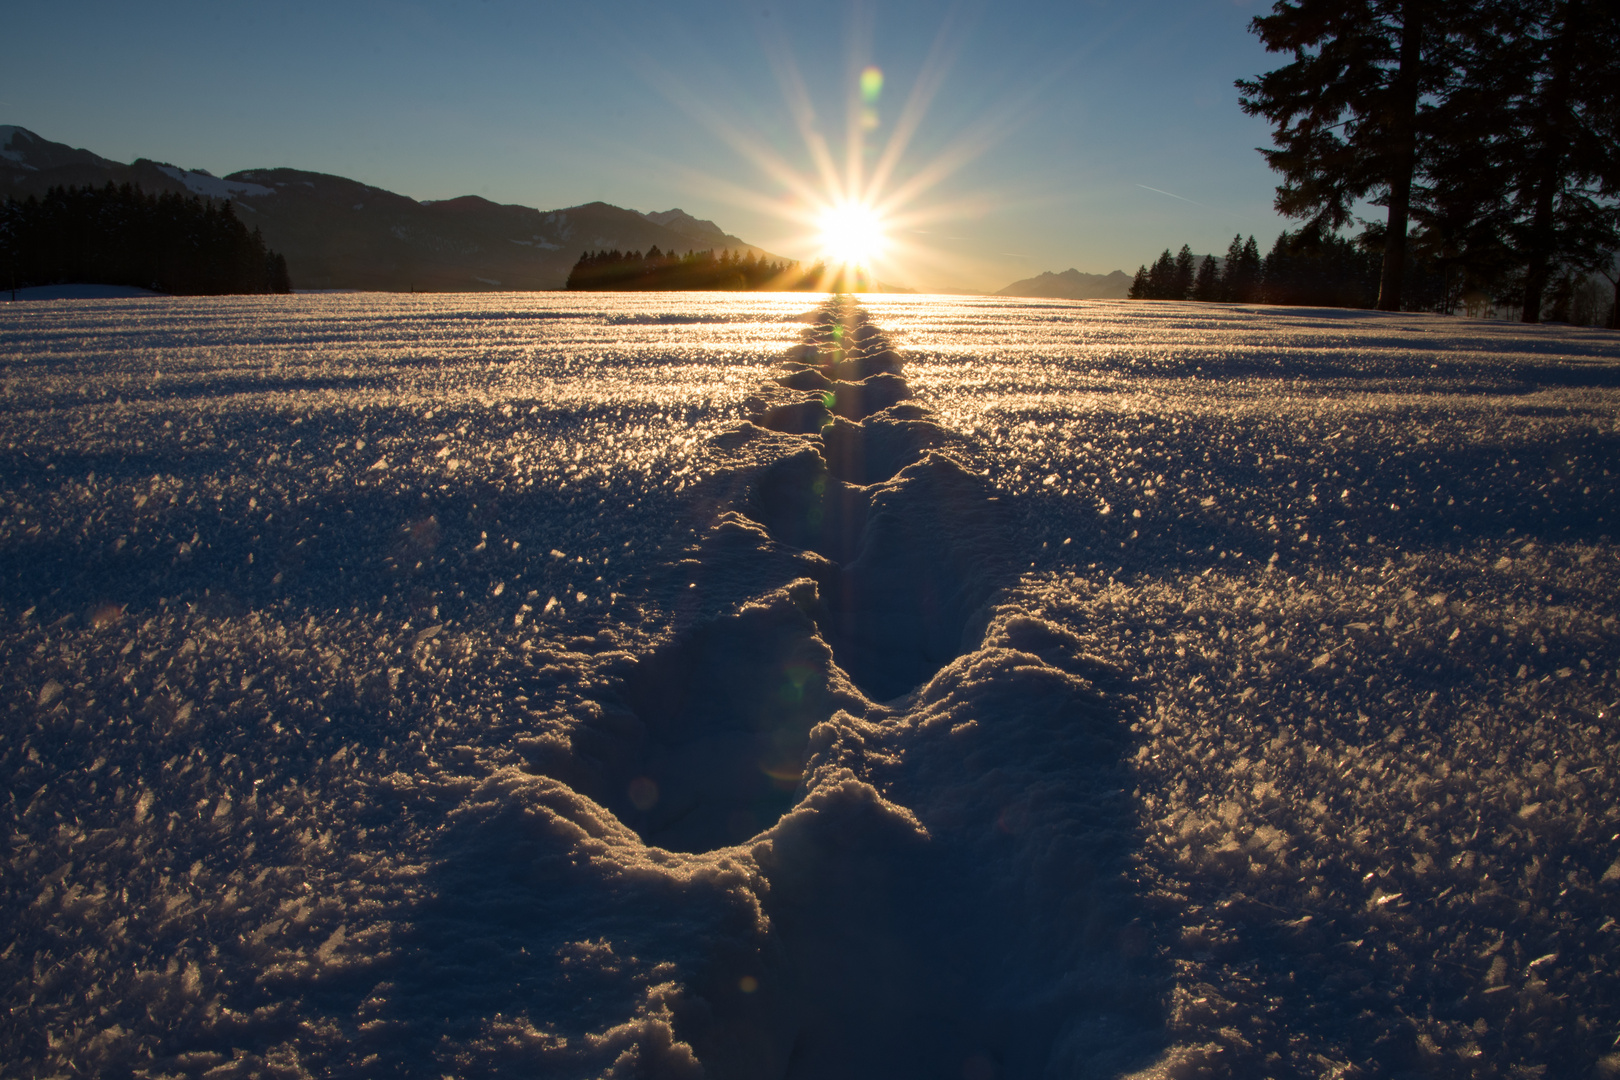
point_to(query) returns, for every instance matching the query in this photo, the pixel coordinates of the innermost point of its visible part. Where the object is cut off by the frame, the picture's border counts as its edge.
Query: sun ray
(851, 209)
(929, 80)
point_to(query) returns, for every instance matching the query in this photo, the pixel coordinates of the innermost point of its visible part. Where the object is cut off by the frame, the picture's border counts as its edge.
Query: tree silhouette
(1139, 285)
(1162, 278)
(122, 236)
(1539, 82)
(695, 270)
(1184, 273)
(1346, 112)
(1207, 285)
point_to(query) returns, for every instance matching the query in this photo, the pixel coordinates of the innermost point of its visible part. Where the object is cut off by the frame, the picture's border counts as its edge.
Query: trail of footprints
(893, 542)
(926, 776)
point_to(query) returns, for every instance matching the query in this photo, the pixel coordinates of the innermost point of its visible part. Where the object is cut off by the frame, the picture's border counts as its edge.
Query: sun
(852, 234)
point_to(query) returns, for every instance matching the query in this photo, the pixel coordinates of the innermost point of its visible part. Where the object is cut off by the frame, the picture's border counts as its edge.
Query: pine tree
(1139, 285)
(1207, 285)
(1346, 112)
(1611, 274)
(1462, 209)
(1249, 266)
(1240, 282)
(1162, 277)
(1184, 273)
(1565, 136)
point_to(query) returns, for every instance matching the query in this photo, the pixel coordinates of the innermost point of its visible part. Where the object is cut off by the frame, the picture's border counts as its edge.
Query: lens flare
(871, 85)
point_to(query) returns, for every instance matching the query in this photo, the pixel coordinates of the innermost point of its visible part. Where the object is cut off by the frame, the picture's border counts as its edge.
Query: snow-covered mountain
(1072, 285)
(338, 233)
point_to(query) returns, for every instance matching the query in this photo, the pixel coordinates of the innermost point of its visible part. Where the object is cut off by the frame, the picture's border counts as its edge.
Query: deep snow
(660, 685)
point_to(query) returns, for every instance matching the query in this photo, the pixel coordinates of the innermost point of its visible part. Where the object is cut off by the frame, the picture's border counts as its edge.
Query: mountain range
(1072, 285)
(338, 233)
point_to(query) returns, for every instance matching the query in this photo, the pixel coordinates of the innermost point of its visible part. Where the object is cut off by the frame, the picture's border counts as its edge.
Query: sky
(1014, 137)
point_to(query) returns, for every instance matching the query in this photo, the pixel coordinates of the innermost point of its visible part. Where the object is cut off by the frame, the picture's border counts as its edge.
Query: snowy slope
(202, 182)
(689, 685)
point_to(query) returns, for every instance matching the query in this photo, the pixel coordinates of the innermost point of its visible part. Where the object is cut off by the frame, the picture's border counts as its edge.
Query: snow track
(677, 685)
(813, 725)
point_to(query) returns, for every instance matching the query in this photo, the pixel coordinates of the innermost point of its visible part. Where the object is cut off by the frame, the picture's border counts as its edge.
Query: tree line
(1302, 268)
(120, 235)
(697, 270)
(1489, 130)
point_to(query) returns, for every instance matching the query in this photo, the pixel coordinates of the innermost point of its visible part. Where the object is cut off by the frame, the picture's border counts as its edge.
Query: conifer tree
(1240, 283)
(1229, 269)
(1553, 69)
(1184, 274)
(1162, 277)
(1346, 112)
(1207, 285)
(1139, 285)
(1611, 274)
(1249, 266)
(122, 236)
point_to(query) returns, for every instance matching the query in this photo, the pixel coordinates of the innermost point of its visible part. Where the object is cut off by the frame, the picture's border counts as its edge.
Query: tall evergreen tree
(1346, 112)
(1250, 266)
(1184, 273)
(1207, 285)
(1461, 207)
(1555, 67)
(1240, 282)
(1162, 277)
(1234, 252)
(1139, 285)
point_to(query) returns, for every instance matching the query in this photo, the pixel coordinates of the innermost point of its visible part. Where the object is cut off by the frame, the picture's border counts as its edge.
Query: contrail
(1144, 187)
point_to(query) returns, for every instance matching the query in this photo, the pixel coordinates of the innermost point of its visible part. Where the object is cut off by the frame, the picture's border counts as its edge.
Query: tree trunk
(1548, 174)
(1403, 137)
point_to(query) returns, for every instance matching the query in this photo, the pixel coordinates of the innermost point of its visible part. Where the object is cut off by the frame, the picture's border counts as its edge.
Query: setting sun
(852, 234)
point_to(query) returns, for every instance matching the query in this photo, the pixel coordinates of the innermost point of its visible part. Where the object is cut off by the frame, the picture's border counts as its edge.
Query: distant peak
(25, 149)
(678, 220)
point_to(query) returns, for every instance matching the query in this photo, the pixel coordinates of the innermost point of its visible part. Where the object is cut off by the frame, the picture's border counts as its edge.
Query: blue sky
(1047, 130)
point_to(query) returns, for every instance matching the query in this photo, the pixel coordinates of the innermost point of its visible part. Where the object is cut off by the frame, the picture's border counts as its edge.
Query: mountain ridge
(1071, 284)
(338, 233)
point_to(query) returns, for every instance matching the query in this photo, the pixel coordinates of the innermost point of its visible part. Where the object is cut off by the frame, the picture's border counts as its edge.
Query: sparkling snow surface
(758, 686)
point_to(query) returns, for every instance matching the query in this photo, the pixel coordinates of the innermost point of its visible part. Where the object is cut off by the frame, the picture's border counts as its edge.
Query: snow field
(604, 686)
